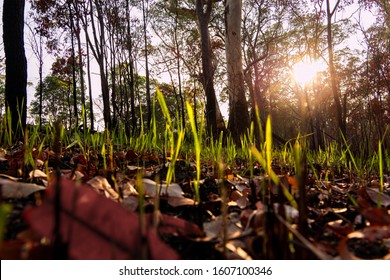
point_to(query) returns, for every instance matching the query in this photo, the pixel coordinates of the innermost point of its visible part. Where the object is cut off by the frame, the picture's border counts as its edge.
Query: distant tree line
(241, 52)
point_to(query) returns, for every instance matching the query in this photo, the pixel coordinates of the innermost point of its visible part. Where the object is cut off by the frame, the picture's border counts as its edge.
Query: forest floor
(119, 208)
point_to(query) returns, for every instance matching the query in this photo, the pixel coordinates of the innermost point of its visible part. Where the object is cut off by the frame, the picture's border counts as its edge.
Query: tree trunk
(130, 69)
(114, 101)
(16, 64)
(332, 69)
(99, 54)
(147, 85)
(213, 114)
(81, 67)
(178, 65)
(238, 106)
(91, 116)
(74, 82)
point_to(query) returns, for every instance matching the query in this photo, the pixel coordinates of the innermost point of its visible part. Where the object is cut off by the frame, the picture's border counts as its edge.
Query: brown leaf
(36, 173)
(180, 201)
(375, 195)
(131, 156)
(101, 185)
(365, 244)
(173, 190)
(340, 227)
(215, 229)
(376, 216)
(11, 189)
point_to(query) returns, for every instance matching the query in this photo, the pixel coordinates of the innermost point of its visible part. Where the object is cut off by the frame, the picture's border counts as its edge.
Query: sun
(305, 70)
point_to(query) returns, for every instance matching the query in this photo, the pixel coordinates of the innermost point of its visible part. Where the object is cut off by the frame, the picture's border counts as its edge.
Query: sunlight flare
(305, 70)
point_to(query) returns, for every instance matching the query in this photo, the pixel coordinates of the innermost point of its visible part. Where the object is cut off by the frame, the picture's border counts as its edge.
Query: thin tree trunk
(178, 57)
(148, 101)
(74, 82)
(332, 69)
(213, 113)
(99, 53)
(81, 68)
(130, 67)
(91, 116)
(113, 82)
(40, 79)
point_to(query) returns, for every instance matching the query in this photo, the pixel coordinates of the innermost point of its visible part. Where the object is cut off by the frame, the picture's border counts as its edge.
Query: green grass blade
(191, 117)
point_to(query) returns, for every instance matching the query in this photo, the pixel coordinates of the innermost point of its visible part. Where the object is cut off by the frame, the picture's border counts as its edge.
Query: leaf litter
(88, 213)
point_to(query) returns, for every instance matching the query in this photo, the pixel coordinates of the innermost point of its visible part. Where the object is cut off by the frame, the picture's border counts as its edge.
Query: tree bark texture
(333, 76)
(15, 62)
(238, 105)
(213, 114)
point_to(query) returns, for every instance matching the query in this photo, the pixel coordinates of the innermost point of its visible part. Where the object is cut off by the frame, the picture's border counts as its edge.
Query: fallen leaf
(11, 189)
(128, 189)
(101, 185)
(39, 163)
(376, 216)
(215, 228)
(172, 190)
(130, 202)
(365, 244)
(131, 156)
(3, 154)
(94, 227)
(36, 173)
(6, 176)
(133, 168)
(180, 201)
(340, 227)
(178, 227)
(375, 195)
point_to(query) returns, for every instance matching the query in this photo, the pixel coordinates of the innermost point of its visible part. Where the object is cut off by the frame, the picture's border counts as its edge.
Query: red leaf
(377, 216)
(131, 156)
(94, 227)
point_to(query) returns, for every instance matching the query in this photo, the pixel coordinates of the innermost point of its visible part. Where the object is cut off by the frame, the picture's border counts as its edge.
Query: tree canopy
(134, 46)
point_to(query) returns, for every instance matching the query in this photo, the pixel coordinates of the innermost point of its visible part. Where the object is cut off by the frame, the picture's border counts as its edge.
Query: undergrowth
(192, 143)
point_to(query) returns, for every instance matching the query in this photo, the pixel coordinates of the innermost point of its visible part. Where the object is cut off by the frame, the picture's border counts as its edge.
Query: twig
(321, 255)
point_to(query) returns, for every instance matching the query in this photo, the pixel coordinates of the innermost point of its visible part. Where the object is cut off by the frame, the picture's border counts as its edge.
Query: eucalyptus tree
(53, 19)
(36, 42)
(174, 59)
(340, 113)
(63, 68)
(264, 36)
(96, 39)
(375, 80)
(238, 106)
(309, 48)
(321, 32)
(55, 91)
(15, 63)
(213, 114)
(201, 13)
(145, 18)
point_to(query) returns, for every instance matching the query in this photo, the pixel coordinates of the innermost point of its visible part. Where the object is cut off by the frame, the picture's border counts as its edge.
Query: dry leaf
(180, 201)
(375, 195)
(173, 190)
(368, 243)
(101, 185)
(128, 189)
(376, 216)
(214, 228)
(36, 173)
(11, 189)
